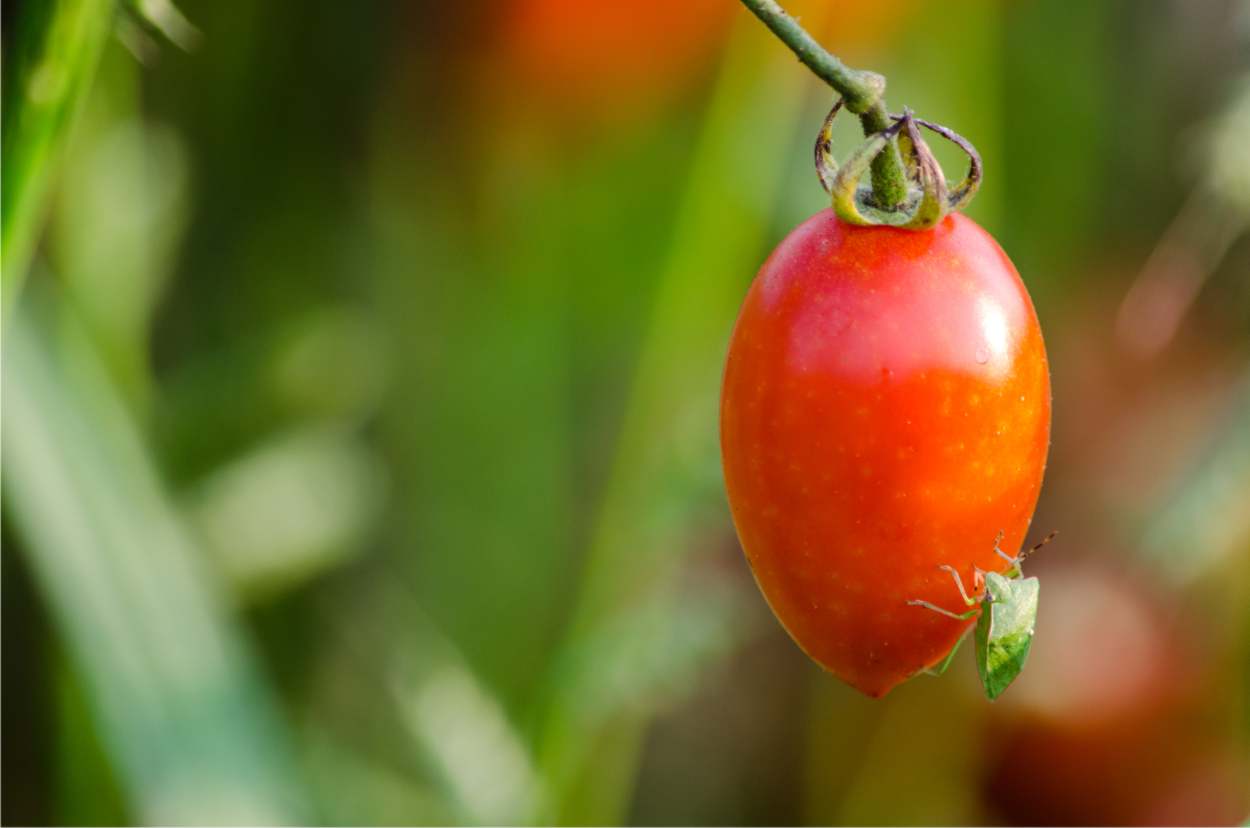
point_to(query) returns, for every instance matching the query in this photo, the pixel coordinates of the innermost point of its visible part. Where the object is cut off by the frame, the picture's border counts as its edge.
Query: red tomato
(886, 409)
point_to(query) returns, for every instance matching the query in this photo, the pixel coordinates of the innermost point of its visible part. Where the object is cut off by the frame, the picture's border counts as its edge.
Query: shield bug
(1005, 614)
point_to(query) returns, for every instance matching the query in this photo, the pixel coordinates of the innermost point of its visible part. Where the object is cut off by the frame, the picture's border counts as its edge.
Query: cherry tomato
(885, 410)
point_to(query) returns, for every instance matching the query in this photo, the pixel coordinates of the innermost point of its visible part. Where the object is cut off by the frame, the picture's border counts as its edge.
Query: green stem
(862, 91)
(889, 186)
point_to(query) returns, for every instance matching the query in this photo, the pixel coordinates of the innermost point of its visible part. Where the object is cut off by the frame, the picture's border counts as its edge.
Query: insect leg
(998, 550)
(957, 616)
(1015, 571)
(959, 584)
(946, 662)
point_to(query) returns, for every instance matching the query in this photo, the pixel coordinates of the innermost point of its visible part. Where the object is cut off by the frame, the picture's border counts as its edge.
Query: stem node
(871, 93)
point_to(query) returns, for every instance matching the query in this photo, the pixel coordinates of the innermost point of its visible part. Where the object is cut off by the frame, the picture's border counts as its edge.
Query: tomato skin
(885, 410)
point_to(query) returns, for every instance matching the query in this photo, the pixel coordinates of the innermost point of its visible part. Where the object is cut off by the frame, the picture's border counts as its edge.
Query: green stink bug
(1005, 614)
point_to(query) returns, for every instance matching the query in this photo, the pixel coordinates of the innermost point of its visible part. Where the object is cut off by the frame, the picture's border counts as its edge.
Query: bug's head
(998, 587)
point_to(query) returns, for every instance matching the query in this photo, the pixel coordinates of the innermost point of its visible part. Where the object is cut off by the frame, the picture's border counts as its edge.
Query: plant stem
(889, 186)
(862, 91)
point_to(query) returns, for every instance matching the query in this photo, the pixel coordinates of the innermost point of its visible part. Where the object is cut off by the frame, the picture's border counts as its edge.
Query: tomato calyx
(930, 197)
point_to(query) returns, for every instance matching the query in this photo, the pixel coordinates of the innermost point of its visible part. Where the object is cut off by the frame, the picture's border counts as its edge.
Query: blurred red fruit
(607, 54)
(1107, 725)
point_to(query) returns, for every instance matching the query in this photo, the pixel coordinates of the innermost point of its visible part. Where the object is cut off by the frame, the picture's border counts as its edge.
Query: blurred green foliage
(360, 398)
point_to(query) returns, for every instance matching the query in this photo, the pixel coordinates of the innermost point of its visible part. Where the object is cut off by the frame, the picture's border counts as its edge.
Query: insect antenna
(1027, 552)
(1024, 553)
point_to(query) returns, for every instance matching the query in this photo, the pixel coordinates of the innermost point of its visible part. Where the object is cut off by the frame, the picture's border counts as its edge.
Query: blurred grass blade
(720, 228)
(718, 241)
(182, 710)
(164, 17)
(471, 761)
(54, 56)
(655, 652)
(482, 762)
(622, 673)
(355, 788)
(291, 508)
(117, 225)
(1206, 520)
